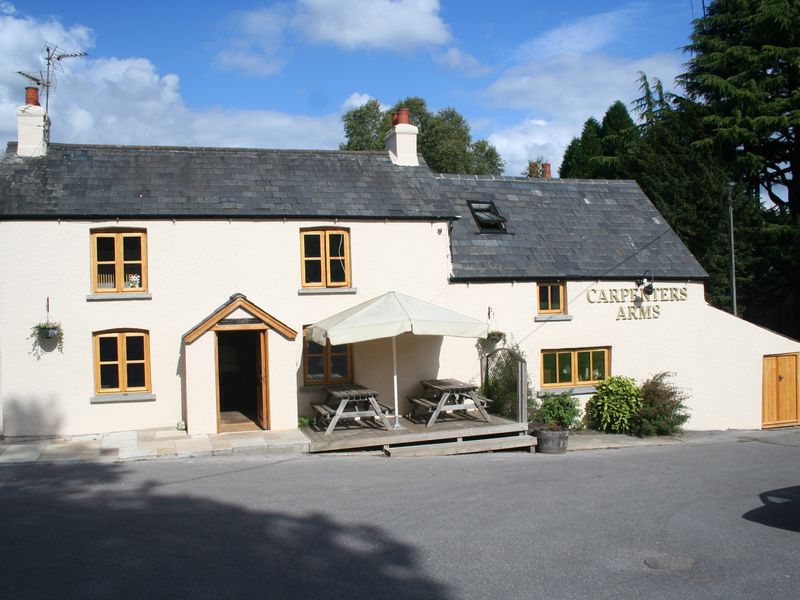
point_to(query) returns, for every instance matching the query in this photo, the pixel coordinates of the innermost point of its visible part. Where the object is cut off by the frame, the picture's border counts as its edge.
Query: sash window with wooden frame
(325, 258)
(121, 361)
(552, 299)
(586, 366)
(327, 364)
(119, 261)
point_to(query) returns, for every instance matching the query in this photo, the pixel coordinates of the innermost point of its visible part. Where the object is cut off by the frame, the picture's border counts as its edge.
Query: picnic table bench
(350, 401)
(448, 395)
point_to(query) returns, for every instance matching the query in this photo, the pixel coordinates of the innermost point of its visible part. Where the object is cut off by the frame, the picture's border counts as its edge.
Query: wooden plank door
(780, 399)
(262, 408)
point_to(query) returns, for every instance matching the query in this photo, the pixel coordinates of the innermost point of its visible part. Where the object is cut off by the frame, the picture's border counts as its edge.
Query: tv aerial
(46, 80)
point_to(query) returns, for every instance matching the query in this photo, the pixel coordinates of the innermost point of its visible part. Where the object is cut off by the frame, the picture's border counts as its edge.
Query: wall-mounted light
(645, 282)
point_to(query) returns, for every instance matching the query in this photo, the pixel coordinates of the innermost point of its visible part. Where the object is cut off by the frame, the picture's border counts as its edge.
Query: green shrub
(500, 385)
(558, 409)
(303, 422)
(615, 406)
(663, 411)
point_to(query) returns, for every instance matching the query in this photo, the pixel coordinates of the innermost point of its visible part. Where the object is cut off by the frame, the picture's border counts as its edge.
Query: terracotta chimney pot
(32, 96)
(546, 170)
(403, 117)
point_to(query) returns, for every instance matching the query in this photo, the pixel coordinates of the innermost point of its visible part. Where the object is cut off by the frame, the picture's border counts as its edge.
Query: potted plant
(46, 336)
(555, 415)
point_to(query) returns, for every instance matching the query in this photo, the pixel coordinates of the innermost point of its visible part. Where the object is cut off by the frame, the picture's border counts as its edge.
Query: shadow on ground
(781, 509)
(84, 531)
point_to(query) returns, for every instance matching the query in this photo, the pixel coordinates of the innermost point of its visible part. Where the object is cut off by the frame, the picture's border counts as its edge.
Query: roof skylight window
(486, 216)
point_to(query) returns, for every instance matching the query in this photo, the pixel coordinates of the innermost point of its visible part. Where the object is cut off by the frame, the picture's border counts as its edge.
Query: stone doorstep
(158, 445)
(200, 446)
(248, 442)
(170, 434)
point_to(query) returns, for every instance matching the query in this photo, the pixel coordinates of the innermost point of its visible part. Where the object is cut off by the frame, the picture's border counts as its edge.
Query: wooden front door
(780, 399)
(242, 377)
(262, 413)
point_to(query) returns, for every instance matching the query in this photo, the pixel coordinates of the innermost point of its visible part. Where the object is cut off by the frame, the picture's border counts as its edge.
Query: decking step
(463, 447)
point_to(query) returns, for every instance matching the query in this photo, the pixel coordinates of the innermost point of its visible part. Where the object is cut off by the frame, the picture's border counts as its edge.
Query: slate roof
(564, 229)
(83, 181)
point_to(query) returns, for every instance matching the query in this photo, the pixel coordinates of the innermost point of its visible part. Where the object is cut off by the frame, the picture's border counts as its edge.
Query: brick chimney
(32, 126)
(539, 170)
(401, 141)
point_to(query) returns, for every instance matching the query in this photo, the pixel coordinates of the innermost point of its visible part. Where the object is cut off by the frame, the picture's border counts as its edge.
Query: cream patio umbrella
(388, 316)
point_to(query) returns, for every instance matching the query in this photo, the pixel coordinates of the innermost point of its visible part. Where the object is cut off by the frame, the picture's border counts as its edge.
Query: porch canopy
(388, 316)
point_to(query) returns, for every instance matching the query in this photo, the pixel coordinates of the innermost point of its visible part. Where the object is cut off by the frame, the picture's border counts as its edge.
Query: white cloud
(127, 101)
(578, 85)
(461, 61)
(559, 94)
(583, 35)
(562, 78)
(395, 25)
(256, 43)
(531, 139)
(7, 8)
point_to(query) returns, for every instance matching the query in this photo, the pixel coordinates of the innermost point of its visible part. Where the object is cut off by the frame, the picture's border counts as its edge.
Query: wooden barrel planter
(551, 442)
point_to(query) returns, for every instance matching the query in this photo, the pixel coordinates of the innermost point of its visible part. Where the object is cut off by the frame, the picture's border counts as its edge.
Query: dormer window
(486, 216)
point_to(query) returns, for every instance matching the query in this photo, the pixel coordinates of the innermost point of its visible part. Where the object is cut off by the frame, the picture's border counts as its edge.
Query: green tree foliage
(744, 74)
(444, 137)
(363, 127)
(579, 160)
(744, 68)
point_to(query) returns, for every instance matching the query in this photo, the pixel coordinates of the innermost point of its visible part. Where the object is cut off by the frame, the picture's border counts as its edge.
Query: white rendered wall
(717, 358)
(194, 267)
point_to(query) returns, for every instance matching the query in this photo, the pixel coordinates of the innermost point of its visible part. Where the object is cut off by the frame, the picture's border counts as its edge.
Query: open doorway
(242, 380)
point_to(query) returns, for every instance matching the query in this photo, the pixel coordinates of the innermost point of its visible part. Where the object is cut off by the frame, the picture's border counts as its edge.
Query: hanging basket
(49, 333)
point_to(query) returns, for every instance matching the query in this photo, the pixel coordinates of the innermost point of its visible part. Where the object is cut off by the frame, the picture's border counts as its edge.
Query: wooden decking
(366, 433)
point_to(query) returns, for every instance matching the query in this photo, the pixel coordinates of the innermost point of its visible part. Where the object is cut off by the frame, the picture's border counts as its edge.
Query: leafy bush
(558, 409)
(615, 406)
(303, 422)
(663, 411)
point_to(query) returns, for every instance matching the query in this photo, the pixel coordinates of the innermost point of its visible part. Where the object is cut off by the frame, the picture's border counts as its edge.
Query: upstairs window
(122, 361)
(551, 298)
(574, 367)
(486, 216)
(119, 261)
(326, 364)
(325, 257)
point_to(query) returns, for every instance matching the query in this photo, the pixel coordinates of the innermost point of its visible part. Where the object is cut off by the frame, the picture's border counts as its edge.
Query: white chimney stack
(401, 141)
(32, 126)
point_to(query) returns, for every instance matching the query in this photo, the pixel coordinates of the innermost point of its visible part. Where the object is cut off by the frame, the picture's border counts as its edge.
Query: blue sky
(525, 74)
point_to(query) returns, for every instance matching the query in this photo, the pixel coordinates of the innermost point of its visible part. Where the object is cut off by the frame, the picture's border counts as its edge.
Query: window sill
(577, 389)
(122, 397)
(119, 296)
(320, 387)
(326, 291)
(546, 318)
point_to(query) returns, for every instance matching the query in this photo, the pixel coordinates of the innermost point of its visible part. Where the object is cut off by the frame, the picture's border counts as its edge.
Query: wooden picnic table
(449, 395)
(350, 401)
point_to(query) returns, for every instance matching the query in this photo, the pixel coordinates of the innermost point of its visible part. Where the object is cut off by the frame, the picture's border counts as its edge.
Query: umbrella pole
(394, 380)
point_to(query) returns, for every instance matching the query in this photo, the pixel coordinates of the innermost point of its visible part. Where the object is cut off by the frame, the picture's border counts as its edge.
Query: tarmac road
(685, 521)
